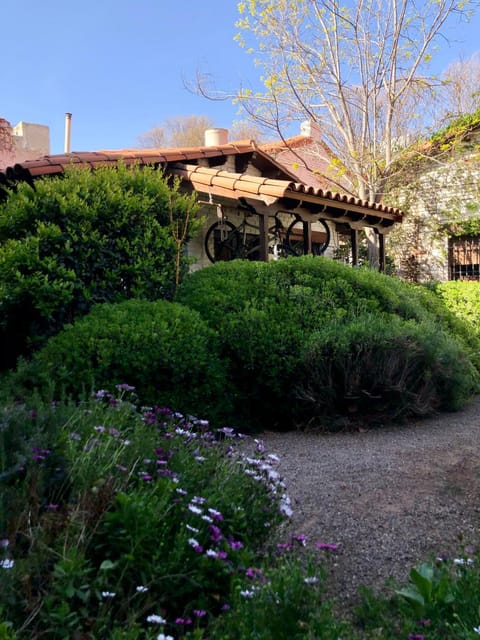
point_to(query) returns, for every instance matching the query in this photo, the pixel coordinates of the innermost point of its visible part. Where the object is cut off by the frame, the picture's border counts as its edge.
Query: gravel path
(388, 497)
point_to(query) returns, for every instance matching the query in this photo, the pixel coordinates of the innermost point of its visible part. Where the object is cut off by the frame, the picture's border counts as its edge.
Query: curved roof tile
(205, 179)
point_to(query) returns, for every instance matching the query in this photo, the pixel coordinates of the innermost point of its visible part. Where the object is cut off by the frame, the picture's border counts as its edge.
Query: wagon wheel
(320, 237)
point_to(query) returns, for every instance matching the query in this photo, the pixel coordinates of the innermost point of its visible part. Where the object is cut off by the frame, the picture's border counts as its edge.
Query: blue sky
(119, 65)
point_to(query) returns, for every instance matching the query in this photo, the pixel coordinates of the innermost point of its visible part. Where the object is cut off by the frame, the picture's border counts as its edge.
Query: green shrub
(166, 351)
(463, 299)
(82, 239)
(380, 367)
(268, 314)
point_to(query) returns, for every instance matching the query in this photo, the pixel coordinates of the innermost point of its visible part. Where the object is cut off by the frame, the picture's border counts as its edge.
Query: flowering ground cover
(141, 523)
(119, 522)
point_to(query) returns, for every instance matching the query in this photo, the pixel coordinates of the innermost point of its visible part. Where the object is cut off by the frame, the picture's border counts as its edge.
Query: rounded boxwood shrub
(266, 314)
(163, 349)
(88, 237)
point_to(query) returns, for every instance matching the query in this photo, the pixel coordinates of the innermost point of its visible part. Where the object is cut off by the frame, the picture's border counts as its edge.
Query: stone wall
(442, 192)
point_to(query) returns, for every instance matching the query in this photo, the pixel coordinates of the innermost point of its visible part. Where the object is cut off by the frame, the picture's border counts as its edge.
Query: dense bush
(380, 367)
(85, 238)
(273, 318)
(463, 299)
(162, 348)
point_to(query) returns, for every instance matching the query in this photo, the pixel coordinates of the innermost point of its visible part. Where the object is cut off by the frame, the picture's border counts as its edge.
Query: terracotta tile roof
(223, 183)
(287, 190)
(54, 164)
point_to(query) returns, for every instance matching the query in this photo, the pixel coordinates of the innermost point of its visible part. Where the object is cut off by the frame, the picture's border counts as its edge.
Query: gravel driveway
(388, 497)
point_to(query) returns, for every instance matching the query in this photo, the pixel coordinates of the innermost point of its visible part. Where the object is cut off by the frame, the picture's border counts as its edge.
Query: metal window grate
(464, 258)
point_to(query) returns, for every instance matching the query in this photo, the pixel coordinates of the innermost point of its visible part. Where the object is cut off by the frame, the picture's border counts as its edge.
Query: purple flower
(124, 387)
(415, 636)
(4, 543)
(216, 515)
(200, 613)
(227, 431)
(254, 573)
(328, 547)
(183, 621)
(215, 533)
(52, 507)
(235, 544)
(301, 538)
(225, 607)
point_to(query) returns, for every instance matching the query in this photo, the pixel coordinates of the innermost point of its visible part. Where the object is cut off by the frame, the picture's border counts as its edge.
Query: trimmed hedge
(166, 351)
(82, 239)
(283, 321)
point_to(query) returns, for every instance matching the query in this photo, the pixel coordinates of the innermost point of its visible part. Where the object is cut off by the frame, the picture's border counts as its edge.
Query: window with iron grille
(464, 258)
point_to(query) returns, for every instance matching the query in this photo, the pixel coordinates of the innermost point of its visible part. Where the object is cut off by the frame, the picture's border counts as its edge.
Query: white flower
(7, 564)
(247, 594)
(312, 580)
(162, 636)
(193, 543)
(195, 509)
(154, 619)
(211, 553)
(141, 589)
(273, 457)
(207, 518)
(190, 528)
(477, 630)
(108, 594)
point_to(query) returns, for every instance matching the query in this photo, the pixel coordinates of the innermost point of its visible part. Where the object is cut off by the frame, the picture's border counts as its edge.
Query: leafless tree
(461, 87)
(356, 70)
(7, 145)
(180, 131)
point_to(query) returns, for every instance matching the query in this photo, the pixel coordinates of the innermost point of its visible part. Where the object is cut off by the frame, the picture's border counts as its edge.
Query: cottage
(254, 206)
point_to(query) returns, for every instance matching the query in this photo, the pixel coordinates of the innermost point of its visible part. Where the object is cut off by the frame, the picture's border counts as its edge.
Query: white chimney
(215, 137)
(310, 129)
(68, 125)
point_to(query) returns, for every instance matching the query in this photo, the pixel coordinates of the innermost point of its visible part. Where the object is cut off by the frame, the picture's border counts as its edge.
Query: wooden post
(381, 252)
(354, 243)
(307, 237)
(263, 233)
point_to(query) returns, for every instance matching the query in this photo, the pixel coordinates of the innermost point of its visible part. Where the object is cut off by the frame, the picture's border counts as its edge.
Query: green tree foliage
(86, 238)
